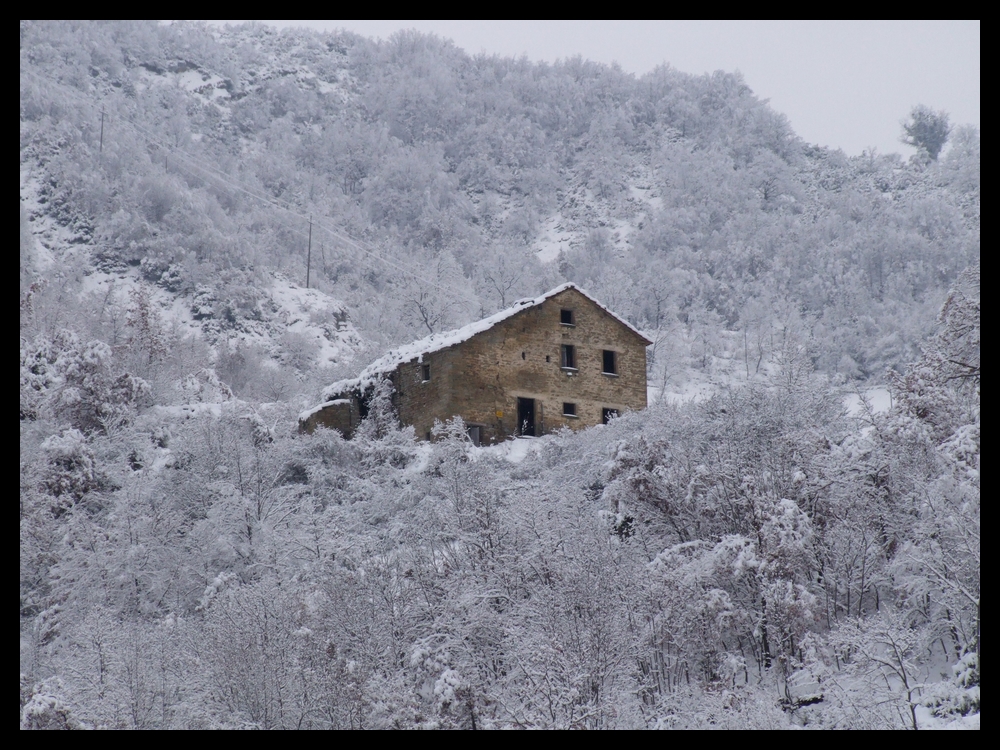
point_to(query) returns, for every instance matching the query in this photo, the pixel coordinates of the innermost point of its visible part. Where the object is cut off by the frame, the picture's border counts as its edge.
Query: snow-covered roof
(438, 341)
(304, 416)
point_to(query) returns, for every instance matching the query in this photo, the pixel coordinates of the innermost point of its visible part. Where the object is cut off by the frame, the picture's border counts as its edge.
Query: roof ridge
(435, 342)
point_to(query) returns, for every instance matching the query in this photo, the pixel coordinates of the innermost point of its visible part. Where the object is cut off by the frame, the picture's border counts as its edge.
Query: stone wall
(420, 401)
(341, 415)
(482, 378)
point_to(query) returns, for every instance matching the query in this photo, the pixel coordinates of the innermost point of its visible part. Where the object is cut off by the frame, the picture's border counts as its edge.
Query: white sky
(843, 84)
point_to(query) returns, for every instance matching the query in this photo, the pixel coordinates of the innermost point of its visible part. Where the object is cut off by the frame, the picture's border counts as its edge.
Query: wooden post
(310, 251)
(101, 149)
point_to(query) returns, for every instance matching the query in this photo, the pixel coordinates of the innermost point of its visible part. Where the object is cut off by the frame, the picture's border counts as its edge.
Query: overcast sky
(843, 84)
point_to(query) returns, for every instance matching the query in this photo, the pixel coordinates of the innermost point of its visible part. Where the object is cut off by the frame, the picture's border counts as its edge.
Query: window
(608, 414)
(474, 433)
(610, 362)
(425, 372)
(567, 318)
(569, 410)
(569, 356)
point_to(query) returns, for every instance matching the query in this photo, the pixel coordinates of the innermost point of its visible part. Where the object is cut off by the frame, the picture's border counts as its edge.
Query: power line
(215, 173)
(277, 203)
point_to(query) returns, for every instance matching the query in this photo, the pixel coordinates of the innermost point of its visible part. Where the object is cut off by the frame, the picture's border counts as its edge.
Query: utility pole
(310, 251)
(101, 149)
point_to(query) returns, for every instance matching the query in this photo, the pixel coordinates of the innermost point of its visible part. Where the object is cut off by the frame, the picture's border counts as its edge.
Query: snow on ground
(553, 238)
(517, 449)
(313, 316)
(338, 89)
(309, 313)
(218, 90)
(682, 377)
(178, 412)
(621, 232)
(878, 397)
(206, 84)
(195, 80)
(317, 317)
(116, 288)
(698, 386)
(927, 720)
(647, 195)
(51, 237)
(582, 212)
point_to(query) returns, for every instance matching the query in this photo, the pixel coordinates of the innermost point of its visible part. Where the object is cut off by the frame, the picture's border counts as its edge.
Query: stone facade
(559, 361)
(340, 414)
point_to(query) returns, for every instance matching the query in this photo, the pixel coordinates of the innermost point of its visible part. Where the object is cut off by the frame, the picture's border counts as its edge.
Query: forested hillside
(757, 557)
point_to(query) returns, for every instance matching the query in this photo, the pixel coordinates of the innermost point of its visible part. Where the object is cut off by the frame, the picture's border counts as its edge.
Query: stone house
(559, 360)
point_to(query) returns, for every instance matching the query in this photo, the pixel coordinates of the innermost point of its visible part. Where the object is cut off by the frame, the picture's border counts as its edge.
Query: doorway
(526, 416)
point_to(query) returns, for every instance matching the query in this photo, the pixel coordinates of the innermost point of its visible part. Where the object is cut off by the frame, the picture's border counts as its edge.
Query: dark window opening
(427, 436)
(569, 356)
(526, 416)
(610, 362)
(522, 355)
(569, 410)
(548, 358)
(425, 372)
(608, 414)
(567, 318)
(475, 435)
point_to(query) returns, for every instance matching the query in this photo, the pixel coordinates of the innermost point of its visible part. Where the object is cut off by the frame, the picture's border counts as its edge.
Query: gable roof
(438, 341)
